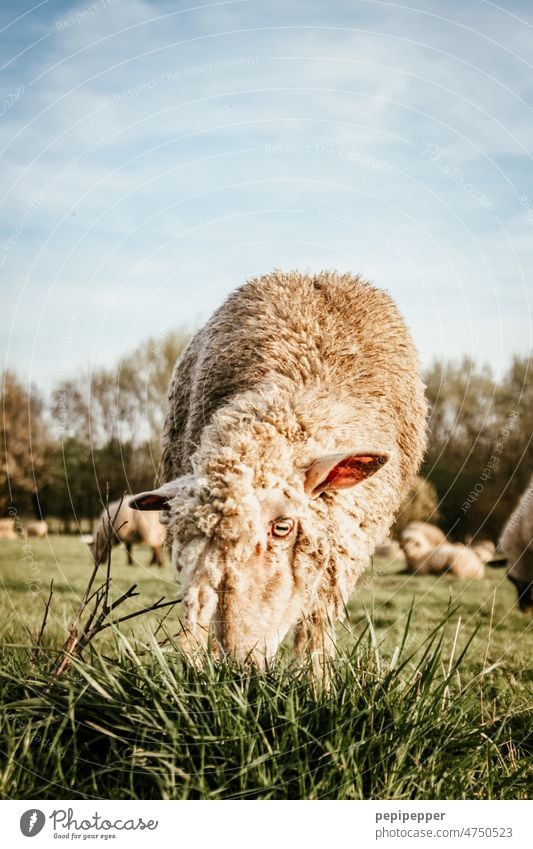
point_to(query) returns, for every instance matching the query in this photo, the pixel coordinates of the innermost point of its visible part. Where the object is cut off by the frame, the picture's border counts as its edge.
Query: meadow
(430, 695)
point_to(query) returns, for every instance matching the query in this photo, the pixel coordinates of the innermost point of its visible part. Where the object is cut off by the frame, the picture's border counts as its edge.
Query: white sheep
(127, 527)
(296, 425)
(516, 543)
(424, 558)
(432, 533)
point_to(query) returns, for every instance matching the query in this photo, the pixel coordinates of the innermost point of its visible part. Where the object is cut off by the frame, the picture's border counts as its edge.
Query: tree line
(97, 435)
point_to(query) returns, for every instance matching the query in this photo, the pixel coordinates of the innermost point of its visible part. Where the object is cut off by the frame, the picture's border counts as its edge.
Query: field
(430, 696)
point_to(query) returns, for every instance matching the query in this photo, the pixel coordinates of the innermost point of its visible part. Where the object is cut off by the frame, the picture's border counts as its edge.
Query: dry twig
(81, 633)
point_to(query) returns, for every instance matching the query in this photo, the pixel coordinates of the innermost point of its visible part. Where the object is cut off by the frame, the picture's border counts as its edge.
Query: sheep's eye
(281, 527)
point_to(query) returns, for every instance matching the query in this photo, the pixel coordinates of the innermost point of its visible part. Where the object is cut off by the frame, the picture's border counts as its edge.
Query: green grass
(430, 697)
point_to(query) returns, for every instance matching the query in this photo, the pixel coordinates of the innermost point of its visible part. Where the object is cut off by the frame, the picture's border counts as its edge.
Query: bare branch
(97, 618)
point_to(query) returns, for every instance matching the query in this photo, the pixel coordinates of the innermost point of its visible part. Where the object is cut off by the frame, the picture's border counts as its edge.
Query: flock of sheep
(428, 552)
(295, 428)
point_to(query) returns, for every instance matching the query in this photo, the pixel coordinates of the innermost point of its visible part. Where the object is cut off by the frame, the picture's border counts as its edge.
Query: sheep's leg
(128, 552)
(156, 556)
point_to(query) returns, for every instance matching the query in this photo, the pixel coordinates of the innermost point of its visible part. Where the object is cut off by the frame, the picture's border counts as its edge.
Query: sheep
(516, 543)
(36, 528)
(432, 533)
(298, 389)
(7, 529)
(424, 558)
(129, 526)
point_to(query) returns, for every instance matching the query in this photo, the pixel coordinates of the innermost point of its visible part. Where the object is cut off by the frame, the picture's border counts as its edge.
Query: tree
(24, 438)
(108, 426)
(480, 453)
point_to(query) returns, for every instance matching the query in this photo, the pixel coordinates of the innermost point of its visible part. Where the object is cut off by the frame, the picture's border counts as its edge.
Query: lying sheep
(295, 427)
(424, 558)
(432, 533)
(128, 527)
(36, 528)
(516, 543)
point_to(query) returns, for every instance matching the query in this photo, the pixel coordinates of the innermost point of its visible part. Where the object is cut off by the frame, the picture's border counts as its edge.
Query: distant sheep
(296, 425)
(432, 533)
(37, 528)
(516, 543)
(7, 529)
(129, 527)
(423, 558)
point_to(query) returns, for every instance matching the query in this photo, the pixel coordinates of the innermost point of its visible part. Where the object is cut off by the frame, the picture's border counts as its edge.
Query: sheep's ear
(155, 499)
(340, 471)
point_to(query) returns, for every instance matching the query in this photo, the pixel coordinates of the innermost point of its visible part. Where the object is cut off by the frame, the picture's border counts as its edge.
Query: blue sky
(155, 155)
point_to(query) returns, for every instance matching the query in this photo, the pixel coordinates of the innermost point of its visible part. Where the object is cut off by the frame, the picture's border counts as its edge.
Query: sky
(156, 155)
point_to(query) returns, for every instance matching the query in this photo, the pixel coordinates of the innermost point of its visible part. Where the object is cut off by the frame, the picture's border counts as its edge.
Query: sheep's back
(302, 330)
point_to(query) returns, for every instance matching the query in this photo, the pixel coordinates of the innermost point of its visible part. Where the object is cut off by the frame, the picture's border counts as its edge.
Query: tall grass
(137, 722)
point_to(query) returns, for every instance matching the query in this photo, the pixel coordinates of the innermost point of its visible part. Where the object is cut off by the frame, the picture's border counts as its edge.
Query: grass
(430, 697)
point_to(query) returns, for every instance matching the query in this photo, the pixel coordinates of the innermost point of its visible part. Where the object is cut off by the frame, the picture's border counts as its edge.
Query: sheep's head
(251, 539)
(525, 593)
(415, 544)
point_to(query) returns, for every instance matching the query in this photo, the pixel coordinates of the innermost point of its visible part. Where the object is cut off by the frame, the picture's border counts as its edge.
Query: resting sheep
(296, 425)
(424, 558)
(129, 526)
(432, 533)
(516, 543)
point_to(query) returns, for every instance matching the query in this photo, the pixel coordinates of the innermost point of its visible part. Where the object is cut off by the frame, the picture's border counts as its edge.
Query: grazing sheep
(7, 529)
(129, 526)
(424, 558)
(37, 528)
(296, 425)
(516, 543)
